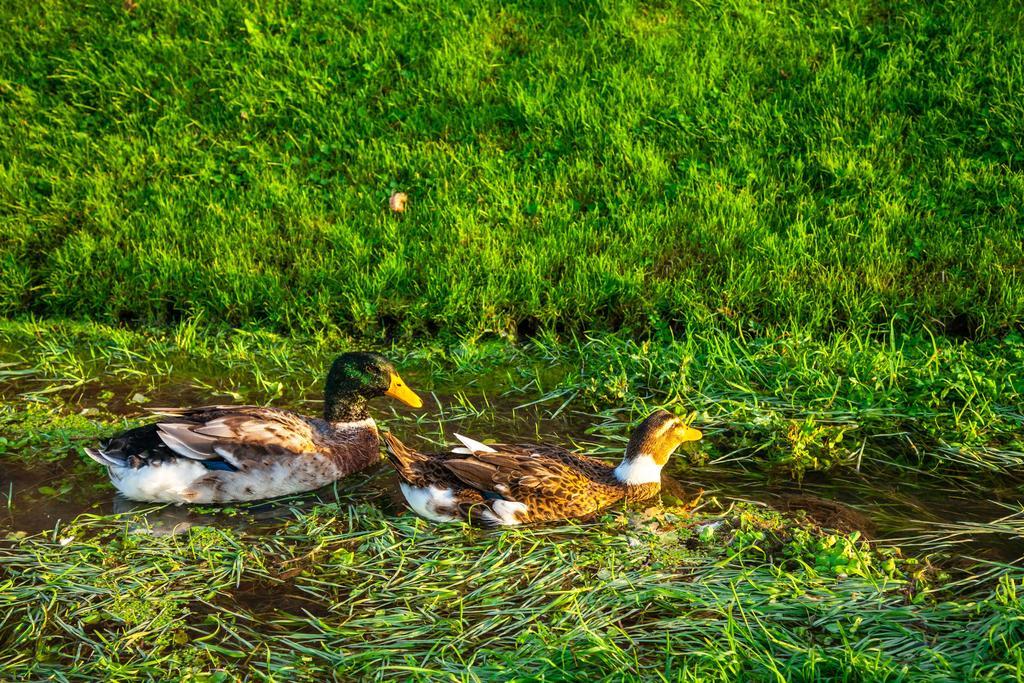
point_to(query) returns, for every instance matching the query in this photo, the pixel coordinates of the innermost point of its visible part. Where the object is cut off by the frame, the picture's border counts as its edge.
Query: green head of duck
(358, 376)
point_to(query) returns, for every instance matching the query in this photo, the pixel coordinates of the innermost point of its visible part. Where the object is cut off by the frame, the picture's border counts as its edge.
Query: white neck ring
(640, 470)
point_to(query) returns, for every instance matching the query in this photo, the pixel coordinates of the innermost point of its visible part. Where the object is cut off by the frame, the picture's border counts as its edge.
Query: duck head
(650, 445)
(356, 377)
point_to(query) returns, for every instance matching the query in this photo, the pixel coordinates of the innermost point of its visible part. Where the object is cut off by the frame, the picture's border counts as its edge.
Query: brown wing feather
(474, 473)
(552, 483)
(236, 432)
(275, 427)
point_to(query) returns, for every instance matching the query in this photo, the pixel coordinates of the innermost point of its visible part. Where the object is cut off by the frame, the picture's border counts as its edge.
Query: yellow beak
(691, 434)
(398, 390)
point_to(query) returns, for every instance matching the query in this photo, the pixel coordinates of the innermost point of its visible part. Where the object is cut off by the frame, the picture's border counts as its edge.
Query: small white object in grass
(397, 201)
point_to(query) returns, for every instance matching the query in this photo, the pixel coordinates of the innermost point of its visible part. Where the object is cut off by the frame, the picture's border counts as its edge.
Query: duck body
(223, 454)
(505, 485)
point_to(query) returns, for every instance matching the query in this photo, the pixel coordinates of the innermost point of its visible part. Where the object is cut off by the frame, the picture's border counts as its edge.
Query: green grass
(343, 591)
(799, 223)
(935, 405)
(809, 167)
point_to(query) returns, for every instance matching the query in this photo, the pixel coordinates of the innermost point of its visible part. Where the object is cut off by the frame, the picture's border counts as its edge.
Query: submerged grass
(342, 591)
(351, 589)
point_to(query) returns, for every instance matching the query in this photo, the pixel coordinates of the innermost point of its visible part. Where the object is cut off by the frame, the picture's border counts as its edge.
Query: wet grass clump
(342, 590)
(790, 404)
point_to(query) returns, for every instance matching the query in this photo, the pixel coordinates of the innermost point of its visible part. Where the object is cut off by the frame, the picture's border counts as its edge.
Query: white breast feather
(640, 470)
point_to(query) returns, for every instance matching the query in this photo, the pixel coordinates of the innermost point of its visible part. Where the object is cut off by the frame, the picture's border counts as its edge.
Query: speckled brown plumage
(504, 484)
(552, 483)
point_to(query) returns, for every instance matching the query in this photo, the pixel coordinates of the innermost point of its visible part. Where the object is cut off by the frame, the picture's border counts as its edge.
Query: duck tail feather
(104, 458)
(400, 455)
(471, 446)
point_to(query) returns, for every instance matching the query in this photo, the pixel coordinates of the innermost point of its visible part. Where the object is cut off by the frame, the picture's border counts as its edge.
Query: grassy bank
(802, 167)
(351, 587)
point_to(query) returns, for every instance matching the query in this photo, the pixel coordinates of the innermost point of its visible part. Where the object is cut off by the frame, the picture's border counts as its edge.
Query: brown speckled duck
(221, 454)
(499, 484)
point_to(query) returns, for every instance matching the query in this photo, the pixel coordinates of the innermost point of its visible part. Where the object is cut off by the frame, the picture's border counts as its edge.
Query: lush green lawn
(812, 166)
(801, 222)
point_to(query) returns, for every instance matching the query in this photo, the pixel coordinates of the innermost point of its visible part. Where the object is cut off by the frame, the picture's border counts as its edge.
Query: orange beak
(399, 390)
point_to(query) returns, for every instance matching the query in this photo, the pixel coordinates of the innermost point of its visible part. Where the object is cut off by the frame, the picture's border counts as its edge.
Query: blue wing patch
(219, 465)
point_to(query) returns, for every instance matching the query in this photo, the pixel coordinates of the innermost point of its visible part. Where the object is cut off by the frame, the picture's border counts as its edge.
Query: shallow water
(41, 491)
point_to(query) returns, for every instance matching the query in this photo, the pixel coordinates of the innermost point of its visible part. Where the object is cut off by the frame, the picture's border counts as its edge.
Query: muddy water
(40, 490)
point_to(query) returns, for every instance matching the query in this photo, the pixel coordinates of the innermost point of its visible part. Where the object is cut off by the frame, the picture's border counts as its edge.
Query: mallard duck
(499, 484)
(220, 454)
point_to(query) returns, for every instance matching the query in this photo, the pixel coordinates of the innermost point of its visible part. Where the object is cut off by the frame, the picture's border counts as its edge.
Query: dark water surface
(41, 490)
